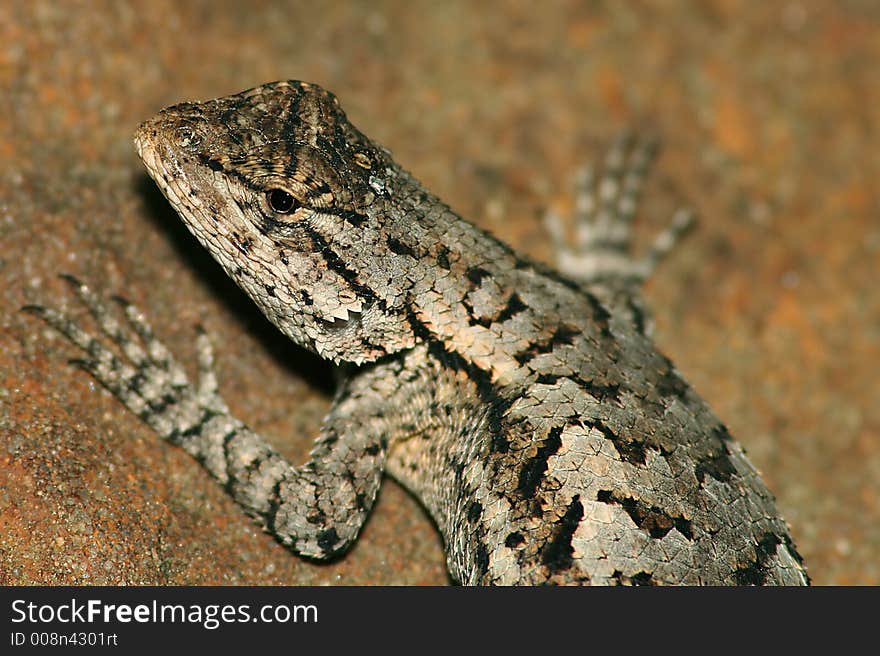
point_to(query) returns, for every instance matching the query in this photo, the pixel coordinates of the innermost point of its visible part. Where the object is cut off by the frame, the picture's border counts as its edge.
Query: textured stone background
(772, 310)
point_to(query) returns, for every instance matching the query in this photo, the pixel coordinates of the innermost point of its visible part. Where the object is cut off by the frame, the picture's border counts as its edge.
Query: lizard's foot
(605, 205)
(316, 510)
(145, 377)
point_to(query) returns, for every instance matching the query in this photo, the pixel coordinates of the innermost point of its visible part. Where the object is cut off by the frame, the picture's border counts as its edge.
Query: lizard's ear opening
(281, 201)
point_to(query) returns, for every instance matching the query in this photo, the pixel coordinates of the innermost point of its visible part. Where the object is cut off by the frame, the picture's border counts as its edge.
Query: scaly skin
(531, 415)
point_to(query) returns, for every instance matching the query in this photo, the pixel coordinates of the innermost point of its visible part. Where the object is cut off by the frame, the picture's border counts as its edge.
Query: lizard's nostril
(187, 137)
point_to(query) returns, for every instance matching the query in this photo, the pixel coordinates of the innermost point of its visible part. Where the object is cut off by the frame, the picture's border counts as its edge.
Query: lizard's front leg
(316, 509)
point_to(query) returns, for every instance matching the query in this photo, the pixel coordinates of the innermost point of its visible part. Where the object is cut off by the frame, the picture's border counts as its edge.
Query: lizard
(525, 406)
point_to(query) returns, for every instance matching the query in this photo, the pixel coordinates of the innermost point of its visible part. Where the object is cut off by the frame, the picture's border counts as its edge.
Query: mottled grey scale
(527, 409)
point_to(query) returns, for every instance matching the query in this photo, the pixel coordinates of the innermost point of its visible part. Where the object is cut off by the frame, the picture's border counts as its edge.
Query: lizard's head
(287, 195)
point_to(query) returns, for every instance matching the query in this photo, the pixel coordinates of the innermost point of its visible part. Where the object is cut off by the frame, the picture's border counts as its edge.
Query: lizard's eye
(280, 201)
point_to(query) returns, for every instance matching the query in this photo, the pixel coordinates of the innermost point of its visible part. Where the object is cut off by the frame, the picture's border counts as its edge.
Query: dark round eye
(280, 201)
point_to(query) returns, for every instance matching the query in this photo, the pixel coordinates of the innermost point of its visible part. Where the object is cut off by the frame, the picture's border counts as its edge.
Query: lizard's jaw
(175, 149)
(170, 146)
(163, 169)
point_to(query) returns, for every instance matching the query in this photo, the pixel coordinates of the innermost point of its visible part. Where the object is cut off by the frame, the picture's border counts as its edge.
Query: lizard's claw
(605, 206)
(145, 376)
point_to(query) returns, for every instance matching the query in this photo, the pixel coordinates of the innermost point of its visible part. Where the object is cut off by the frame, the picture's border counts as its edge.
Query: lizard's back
(577, 453)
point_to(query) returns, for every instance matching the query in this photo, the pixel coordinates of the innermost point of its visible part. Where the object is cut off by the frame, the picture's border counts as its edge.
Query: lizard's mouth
(145, 149)
(146, 141)
(163, 163)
